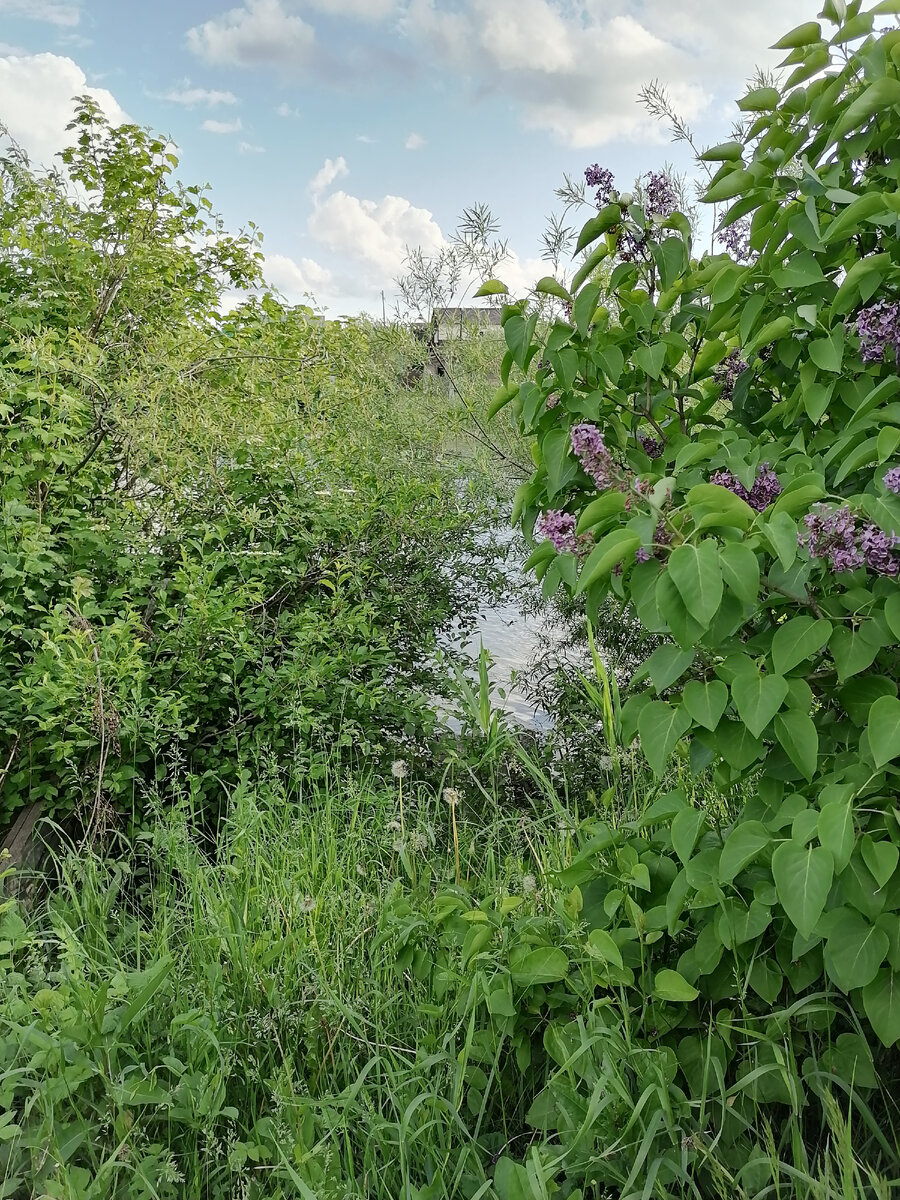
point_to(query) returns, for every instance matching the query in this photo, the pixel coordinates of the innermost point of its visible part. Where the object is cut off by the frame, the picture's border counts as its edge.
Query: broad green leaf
(740, 570)
(492, 287)
(545, 964)
(651, 358)
(852, 650)
(697, 575)
(797, 734)
(855, 949)
(781, 534)
(608, 552)
(745, 843)
(881, 858)
(806, 34)
(705, 702)
(661, 727)
(884, 730)
(601, 946)
(760, 100)
(803, 877)
(878, 97)
(548, 286)
(685, 830)
(836, 832)
(757, 699)
(561, 466)
(797, 640)
(596, 226)
(724, 152)
(669, 985)
(607, 505)
(881, 1000)
(668, 663)
(737, 745)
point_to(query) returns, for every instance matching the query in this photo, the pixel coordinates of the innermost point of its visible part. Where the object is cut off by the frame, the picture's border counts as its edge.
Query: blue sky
(348, 129)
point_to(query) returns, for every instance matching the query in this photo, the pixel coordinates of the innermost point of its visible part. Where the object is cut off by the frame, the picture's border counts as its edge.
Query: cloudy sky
(349, 129)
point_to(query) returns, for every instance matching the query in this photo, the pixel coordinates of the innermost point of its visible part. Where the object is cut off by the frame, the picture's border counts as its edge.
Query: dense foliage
(669, 969)
(216, 532)
(715, 442)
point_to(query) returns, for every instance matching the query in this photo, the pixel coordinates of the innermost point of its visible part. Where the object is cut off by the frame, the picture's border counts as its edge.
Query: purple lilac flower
(728, 371)
(831, 535)
(559, 528)
(632, 246)
(591, 451)
(662, 537)
(660, 196)
(892, 480)
(878, 549)
(642, 555)
(736, 238)
(651, 446)
(765, 489)
(603, 180)
(878, 327)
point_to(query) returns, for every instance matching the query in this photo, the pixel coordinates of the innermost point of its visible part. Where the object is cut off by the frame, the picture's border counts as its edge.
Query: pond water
(517, 632)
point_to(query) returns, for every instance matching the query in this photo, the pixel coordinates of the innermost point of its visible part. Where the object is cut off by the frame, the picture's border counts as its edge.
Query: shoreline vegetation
(292, 936)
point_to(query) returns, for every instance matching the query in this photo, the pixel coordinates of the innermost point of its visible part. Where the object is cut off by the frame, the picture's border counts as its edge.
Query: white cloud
(52, 11)
(36, 93)
(285, 110)
(210, 126)
(297, 280)
(260, 33)
(374, 235)
(249, 148)
(331, 170)
(191, 97)
(574, 67)
(365, 139)
(415, 141)
(366, 10)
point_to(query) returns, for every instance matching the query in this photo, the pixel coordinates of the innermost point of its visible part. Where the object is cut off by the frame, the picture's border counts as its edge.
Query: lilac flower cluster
(651, 446)
(836, 536)
(765, 489)
(736, 239)
(660, 197)
(892, 480)
(590, 450)
(878, 327)
(727, 372)
(603, 180)
(559, 528)
(662, 537)
(632, 246)
(642, 555)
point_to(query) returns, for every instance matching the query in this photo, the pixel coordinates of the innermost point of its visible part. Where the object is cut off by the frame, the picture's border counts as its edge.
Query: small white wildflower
(605, 762)
(451, 795)
(399, 769)
(529, 884)
(308, 904)
(418, 840)
(398, 845)
(360, 869)
(393, 826)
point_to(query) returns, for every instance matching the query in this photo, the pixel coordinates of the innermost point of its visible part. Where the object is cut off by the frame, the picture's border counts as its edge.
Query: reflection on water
(516, 632)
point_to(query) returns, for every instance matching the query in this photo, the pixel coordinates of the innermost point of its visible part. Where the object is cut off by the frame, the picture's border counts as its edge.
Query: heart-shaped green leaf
(705, 701)
(836, 831)
(803, 877)
(661, 726)
(669, 985)
(798, 640)
(745, 843)
(757, 699)
(855, 949)
(881, 859)
(884, 730)
(881, 1000)
(697, 575)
